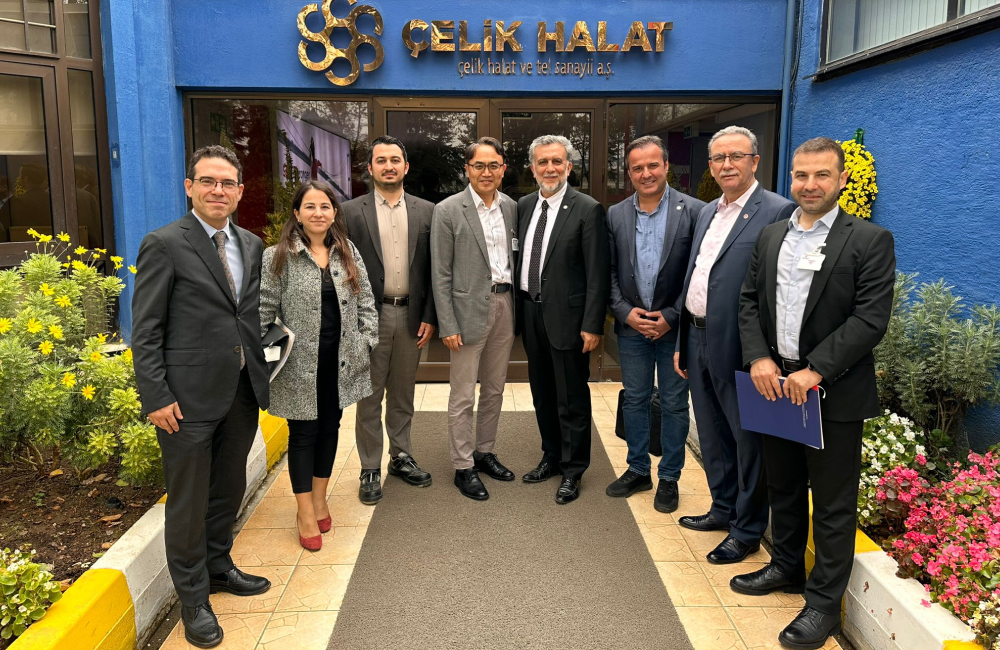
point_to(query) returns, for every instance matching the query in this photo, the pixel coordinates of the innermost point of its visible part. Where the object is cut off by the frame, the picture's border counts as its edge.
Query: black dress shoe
(628, 484)
(568, 490)
(543, 472)
(764, 581)
(489, 465)
(201, 628)
(810, 629)
(703, 523)
(731, 550)
(370, 491)
(406, 468)
(238, 583)
(468, 483)
(666, 496)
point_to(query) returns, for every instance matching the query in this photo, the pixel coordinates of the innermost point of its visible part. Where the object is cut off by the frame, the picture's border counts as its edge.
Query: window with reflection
(518, 129)
(435, 144)
(24, 176)
(283, 142)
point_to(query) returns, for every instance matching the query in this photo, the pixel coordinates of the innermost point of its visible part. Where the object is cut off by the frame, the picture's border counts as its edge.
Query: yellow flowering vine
(861, 188)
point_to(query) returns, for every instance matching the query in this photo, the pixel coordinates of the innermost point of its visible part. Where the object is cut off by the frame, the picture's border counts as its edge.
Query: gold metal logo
(333, 53)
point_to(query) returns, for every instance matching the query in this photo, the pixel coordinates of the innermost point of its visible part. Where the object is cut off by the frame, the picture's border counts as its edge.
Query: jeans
(639, 357)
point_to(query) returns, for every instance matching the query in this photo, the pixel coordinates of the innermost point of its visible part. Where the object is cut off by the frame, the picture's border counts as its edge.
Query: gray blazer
(682, 215)
(460, 268)
(362, 227)
(295, 297)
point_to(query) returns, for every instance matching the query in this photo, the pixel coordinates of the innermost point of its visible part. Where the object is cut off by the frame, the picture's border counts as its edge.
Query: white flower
(920, 450)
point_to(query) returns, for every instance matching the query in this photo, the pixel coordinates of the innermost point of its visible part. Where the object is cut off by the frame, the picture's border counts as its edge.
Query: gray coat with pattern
(296, 298)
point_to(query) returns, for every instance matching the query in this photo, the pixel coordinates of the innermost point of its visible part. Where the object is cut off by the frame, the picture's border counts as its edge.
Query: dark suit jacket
(576, 273)
(726, 278)
(846, 315)
(682, 215)
(362, 229)
(186, 328)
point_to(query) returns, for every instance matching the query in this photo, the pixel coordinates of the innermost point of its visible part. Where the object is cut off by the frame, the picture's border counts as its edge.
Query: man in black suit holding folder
(815, 302)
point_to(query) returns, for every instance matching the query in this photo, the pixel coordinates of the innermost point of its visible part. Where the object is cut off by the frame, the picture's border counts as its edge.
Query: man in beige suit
(473, 249)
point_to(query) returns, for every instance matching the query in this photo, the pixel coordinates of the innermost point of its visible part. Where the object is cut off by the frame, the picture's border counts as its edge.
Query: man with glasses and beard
(391, 230)
(708, 343)
(564, 281)
(473, 253)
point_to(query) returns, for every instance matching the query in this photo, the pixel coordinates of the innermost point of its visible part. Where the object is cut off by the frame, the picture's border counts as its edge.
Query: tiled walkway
(300, 610)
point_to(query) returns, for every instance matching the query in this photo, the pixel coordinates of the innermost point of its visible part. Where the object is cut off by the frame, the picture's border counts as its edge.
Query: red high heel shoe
(325, 524)
(311, 543)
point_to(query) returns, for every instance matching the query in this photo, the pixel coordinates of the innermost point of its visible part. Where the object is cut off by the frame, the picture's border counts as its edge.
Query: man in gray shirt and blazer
(391, 230)
(473, 250)
(650, 234)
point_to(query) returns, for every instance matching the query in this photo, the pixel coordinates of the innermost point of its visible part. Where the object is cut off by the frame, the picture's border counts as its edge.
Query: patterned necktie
(220, 244)
(534, 266)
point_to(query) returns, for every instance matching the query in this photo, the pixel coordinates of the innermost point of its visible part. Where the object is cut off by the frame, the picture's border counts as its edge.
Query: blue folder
(780, 418)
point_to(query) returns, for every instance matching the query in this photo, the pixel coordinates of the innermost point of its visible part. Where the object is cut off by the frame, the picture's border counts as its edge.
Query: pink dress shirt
(725, 216)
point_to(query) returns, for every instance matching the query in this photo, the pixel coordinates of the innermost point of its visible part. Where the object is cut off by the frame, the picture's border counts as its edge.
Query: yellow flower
(63, 301)
(96, 356)
(80, 250)
(103, 251)
(56, 332)
(45, 239)
(131, 268)
(34, 326)
(96, 256)
(5, 325)
(66, 265)
(33, 232)
(69, 380)
(63, 237)
(46, 289)
(116, 259)
(46, 347)
(88, 392)
(127, 355)
(78, 265)
(118, 266)
(102, 338)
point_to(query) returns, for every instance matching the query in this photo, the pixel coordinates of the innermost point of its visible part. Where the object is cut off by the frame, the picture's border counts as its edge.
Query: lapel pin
(678, 207)
(746, 216)
(565, 207)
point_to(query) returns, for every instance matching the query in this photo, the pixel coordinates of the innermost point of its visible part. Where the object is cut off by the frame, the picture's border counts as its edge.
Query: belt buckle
(790, 366)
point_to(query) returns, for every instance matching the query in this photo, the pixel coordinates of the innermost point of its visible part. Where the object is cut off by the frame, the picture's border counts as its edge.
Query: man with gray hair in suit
(472, 270)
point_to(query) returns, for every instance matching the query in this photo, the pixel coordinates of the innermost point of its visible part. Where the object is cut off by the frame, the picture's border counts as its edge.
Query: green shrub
(63, 395)
(26, 590)
(938, 359)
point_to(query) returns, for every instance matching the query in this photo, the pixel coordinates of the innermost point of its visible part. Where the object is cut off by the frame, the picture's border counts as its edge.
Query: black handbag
(277, 344)
(655, 446)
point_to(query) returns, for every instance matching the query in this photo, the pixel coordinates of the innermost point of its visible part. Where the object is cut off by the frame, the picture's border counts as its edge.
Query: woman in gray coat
(315, 281)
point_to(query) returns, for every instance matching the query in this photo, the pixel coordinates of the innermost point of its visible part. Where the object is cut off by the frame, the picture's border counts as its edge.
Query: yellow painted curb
(864, 544)
(275, 431)
(95, 613)
(961, 645)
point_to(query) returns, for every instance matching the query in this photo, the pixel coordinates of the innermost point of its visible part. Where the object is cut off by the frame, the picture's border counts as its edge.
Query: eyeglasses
(209, 183)
(734, 157)
(481, 167)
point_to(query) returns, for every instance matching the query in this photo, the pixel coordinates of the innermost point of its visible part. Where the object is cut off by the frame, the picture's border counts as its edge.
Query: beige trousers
(486, 360)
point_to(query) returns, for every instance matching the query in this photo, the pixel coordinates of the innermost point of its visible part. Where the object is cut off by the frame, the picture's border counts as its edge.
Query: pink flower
(917, 558)
(925, 602)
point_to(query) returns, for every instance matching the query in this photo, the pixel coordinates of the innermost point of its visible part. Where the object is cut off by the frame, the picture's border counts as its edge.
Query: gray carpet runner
(439, 570)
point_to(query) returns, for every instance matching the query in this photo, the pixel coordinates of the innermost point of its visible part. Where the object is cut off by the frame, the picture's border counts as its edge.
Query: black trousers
(312, 444)
(733, 457)
(561, 395)
(205, 465)
(833, 473)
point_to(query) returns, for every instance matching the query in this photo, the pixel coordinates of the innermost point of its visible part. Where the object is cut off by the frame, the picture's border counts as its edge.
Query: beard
(388, 186)
(551, 188)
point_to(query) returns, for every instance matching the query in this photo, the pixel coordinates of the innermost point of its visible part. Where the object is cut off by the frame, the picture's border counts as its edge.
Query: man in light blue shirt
(232, 251)
(650, 235)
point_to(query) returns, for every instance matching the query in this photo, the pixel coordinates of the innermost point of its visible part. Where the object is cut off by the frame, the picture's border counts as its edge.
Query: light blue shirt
(232, 251)
(793, 283)
(650, 229)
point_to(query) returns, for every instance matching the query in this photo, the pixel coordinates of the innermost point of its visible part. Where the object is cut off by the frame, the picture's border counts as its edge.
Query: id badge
(513, 244)
(811, 261)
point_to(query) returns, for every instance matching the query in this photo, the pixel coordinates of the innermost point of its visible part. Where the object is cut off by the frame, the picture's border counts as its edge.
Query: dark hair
(336, 235)
(386, 139)
(34, 174)
(822, 145)
(645, 141)
(470, 151)
(215, 151)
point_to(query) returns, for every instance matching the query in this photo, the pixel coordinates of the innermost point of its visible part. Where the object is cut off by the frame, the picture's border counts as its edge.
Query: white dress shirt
(725, 217)
(233, 256)
(495, 231)
(555, 203)
(793, 283)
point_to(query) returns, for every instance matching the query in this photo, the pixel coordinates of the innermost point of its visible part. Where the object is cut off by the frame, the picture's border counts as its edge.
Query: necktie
(220, 244)
(534, 266)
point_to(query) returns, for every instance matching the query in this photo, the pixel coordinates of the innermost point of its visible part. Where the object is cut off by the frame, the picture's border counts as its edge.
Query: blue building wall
(930, 124)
